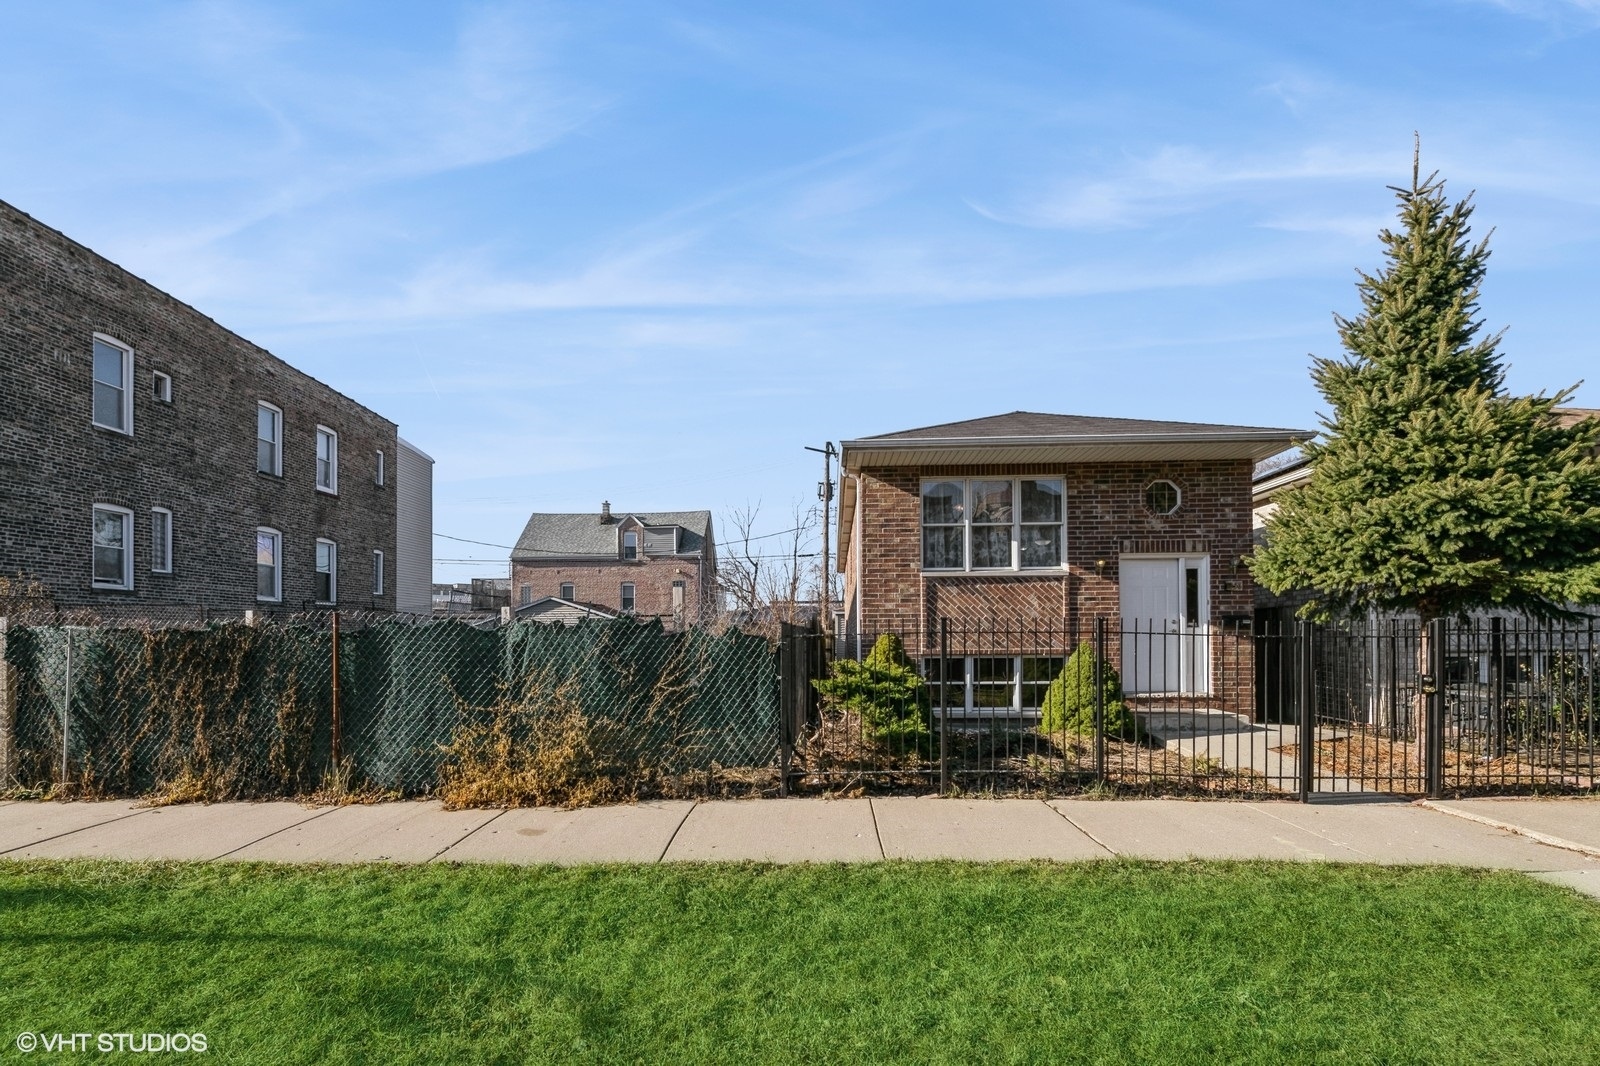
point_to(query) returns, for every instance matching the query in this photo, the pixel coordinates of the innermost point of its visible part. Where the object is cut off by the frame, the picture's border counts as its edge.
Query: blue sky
(648, 252)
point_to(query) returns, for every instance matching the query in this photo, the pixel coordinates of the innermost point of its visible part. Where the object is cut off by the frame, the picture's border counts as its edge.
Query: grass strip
(887, 962)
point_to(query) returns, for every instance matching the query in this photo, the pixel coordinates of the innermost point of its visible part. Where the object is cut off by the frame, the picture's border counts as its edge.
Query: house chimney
(605, 512)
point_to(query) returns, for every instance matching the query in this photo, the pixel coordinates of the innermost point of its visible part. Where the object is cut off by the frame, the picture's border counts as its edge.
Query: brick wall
(195, 456)
(1105, 513)
(601, 583)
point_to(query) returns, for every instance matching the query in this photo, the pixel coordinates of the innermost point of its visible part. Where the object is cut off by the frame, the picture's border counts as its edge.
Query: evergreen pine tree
(1432, 490)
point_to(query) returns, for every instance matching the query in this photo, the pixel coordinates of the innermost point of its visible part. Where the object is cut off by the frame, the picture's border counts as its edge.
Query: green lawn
(887, 962)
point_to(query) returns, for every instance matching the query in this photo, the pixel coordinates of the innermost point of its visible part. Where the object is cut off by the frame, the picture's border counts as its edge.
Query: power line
(601, 555)
(485, 543)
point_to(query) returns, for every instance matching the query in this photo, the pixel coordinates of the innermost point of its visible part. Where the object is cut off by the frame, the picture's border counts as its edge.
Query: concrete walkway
(1559, 838)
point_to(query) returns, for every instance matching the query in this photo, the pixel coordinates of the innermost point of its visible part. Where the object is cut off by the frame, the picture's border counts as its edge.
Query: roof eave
(1243, 444)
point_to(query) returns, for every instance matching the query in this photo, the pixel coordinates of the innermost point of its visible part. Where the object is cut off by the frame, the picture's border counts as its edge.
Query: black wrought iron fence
(1051, 706)
(1485, 705)
(1260, 709)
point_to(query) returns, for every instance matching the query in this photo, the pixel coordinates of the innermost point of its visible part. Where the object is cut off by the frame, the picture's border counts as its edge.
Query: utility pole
(825, 494)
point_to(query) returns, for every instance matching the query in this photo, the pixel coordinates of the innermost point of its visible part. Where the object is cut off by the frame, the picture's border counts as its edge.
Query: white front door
(1166, 646)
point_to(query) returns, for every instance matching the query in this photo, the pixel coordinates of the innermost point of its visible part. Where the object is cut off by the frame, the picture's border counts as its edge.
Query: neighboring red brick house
(1029, 526)
(657, 565)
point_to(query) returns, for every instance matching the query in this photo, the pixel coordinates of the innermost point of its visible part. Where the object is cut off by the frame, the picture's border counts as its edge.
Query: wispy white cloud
(336, 129)
(1178, 179)
(1561, 14)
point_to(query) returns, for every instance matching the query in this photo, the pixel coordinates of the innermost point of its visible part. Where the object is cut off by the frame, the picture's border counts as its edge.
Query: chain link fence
(340, 705)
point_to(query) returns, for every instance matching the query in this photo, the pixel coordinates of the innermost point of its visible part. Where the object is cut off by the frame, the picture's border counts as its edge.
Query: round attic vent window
(1162, 497)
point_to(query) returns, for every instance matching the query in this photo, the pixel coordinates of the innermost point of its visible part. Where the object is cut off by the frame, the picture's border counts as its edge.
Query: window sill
(267, 473)
(111, 588)
(111, 429)
(327, 492)
(1041, 571)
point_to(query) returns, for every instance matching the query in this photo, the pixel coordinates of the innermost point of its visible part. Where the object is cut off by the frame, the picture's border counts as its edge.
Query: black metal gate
(1399, 707)
(802, 659)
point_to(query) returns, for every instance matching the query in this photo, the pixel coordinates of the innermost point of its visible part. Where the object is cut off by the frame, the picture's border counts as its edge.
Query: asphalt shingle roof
(1035, 424)
(557, 536)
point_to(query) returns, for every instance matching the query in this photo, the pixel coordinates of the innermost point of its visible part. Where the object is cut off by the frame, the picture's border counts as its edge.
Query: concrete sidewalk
(1560, 838)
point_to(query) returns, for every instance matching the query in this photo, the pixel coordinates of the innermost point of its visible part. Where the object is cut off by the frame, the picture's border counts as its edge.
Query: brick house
(1026, 527)
(657, 565)
(150, 457)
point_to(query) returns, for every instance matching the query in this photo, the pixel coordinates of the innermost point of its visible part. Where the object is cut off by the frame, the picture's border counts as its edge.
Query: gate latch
(1425, 681)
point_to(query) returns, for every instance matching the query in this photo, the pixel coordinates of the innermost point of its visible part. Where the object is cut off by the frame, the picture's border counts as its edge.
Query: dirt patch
(1396, 766)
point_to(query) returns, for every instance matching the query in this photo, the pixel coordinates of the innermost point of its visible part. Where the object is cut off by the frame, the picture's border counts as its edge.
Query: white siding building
(413, 530)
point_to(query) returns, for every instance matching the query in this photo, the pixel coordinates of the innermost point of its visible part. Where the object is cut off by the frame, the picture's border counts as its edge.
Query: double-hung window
(627, 597)
(269, 440)
(113, 548)
(160, 540)
(992, 524)
(113, 374)
(993, 686)
(327, 460)
(327, 576)
(630, 545)
(269, 564)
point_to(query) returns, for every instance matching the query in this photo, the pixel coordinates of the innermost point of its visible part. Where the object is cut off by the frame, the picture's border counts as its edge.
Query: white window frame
(565, 585)
(160, 387)
(126, 389)
(1144, 497)
(524, 595)
(160, 541)
(377, 572)
(277, 564)
(378, 479)
(125, 582)
(332, 437)
(628, 597)
(277, 442)
(633, 536)
(965, 686)
(333, 571)
(1017, 525)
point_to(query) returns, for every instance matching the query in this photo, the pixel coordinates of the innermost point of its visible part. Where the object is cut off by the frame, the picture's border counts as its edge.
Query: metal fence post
(337, 738)
(66, 710)
(786, 701)
(8, 713)
(1100, 699)
(944, 704)
(1497, 687)
(1307, 710)
(1433, 748)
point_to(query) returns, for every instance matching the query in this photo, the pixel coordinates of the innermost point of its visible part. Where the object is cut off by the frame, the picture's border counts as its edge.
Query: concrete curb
(1511, 827)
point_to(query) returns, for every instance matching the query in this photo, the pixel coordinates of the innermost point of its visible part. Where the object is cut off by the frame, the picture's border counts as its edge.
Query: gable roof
(579, 536)
(1030, 436)
(555, 606)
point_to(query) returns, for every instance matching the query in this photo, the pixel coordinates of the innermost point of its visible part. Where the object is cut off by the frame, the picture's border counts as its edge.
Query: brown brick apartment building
(657, 565)
(150, 457)
(1026, 523)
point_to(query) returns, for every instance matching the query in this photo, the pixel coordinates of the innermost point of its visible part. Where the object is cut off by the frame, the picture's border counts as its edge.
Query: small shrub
(539, 750)
(887, 694)
(1069, 701)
